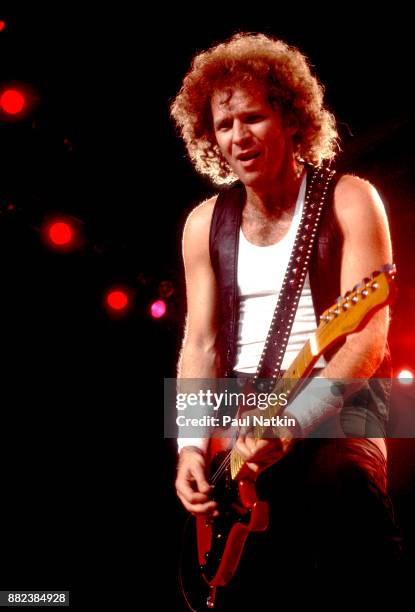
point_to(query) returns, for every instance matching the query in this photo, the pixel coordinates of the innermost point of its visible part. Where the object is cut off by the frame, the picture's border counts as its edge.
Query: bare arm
(199, 357)
(367, 246)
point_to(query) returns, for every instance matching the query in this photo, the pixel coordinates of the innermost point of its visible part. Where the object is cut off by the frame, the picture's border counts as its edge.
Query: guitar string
(222, 468)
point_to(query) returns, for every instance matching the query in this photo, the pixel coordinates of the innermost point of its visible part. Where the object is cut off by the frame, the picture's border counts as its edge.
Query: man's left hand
(260, 454)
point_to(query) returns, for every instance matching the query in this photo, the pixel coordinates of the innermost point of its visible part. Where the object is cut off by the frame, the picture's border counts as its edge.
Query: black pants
(331, 523)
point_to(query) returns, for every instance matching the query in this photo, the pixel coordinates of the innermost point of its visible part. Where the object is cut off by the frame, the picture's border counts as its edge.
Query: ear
(291, 130)
(291, 124)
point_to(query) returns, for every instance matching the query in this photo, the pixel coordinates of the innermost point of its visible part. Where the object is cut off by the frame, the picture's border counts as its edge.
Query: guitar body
(220, 542)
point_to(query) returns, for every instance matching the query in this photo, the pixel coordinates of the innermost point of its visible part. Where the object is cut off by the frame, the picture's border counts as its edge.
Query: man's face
(250, 134)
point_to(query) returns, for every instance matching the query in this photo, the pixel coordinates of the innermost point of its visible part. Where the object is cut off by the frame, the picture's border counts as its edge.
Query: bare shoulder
(197, 224)
(356, 201)
(353, 191)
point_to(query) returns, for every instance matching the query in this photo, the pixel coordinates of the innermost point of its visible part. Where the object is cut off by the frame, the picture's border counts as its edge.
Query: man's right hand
(191, 485)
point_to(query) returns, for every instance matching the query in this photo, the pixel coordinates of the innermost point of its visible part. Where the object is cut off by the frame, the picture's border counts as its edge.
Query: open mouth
(248, 156)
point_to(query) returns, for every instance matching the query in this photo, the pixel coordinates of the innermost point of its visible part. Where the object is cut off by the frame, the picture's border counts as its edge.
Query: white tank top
(261, 271)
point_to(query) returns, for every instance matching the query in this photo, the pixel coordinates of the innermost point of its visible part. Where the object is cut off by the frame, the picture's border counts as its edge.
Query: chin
(252, 179)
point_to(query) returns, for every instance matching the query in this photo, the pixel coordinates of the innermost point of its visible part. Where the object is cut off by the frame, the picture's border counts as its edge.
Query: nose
(240, 133)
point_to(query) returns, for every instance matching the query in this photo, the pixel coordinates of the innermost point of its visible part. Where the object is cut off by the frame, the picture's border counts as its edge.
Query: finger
(185, 487)
(252, 445)
(254, 467)
(242, 431)
(206, 508)
(194, 497)
(242, 448)
(245, 430)
(202, 484)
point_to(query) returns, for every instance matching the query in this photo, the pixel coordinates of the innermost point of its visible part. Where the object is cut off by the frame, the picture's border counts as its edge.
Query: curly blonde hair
(291, 88)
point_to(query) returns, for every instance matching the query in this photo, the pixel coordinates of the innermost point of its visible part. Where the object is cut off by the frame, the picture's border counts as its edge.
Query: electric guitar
(220, 541)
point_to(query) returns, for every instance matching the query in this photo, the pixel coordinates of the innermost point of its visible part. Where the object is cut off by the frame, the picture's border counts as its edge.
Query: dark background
(84, 475)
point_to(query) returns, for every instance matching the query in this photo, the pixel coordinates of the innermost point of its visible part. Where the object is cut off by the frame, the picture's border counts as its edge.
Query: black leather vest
(324, 271)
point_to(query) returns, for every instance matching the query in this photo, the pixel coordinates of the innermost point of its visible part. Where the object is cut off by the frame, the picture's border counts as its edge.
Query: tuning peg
(389, 269)
(374, 274)
(346, 300)
(327, 315)
(342, 302)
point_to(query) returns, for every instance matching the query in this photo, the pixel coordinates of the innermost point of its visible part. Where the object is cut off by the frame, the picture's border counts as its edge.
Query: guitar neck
(297, 371)
(349, 314)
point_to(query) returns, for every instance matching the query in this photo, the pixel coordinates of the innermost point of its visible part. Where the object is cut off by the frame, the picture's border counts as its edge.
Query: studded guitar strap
(316, 196)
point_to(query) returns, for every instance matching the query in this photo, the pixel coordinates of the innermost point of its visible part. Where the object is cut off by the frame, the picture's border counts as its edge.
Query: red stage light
(12, 101)
(2, 25)
(405, 377)
(158, 309)
(117, 300)
(60, 233)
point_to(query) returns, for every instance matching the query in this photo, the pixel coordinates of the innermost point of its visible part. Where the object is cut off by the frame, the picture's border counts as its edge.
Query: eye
(254, 118)
(223, 126)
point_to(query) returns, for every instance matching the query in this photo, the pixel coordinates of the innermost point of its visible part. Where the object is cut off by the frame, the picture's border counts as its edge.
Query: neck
(276, 198)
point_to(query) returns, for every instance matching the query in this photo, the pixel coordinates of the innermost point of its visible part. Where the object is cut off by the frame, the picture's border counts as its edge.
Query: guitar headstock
(352, 310)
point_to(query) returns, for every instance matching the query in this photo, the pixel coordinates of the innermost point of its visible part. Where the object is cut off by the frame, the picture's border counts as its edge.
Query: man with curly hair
(253, 119)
